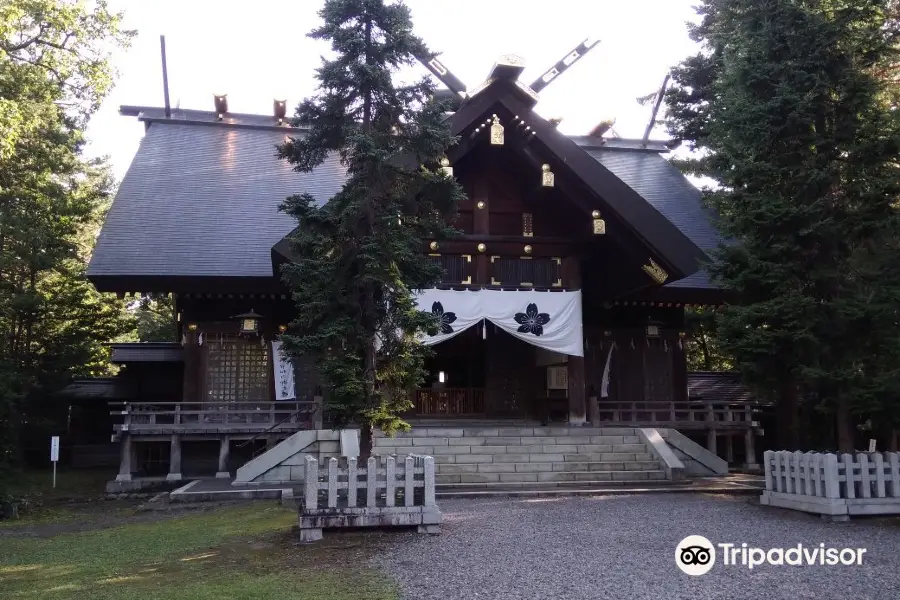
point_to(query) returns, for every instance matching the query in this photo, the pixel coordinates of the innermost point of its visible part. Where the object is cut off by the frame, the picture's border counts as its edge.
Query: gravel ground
(623, 548)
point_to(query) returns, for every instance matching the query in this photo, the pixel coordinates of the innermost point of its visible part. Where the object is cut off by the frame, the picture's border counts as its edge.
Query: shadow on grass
(244, 552)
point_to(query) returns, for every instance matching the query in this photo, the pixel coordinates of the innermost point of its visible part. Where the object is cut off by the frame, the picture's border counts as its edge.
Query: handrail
(304, 410)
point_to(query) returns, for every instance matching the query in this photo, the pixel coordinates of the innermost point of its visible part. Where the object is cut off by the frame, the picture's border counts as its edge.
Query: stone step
(553, 476)
(586, 477)
(453, 469)
(525, 442)
(436, 449)
(469, 458)
(533, 441)
(451, 432)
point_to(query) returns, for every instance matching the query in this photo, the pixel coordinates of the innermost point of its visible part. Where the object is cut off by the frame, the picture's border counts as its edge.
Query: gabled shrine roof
(201, 197)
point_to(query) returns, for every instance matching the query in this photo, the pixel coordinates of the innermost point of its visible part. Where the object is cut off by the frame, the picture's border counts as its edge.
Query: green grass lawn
(241, 552)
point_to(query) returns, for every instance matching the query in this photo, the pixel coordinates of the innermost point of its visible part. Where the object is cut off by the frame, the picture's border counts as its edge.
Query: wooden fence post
(352, 482)
(408, 480)
(832, 483)
(798, 477)
(332, 482)
(371, 480)
(429, 481)
(865, 480)
(847, 459)
(894, 460)
(879, 476)
(390, 481)
(311, 483)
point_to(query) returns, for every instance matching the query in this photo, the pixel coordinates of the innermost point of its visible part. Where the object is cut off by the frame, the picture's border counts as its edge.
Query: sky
(258, 51)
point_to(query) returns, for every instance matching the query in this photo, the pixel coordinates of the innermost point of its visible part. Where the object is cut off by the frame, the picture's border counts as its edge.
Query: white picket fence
(380, 486)
(387, 493)
(831, 484)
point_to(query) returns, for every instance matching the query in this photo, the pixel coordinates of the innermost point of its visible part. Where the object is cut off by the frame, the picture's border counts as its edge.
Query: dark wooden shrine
(197, 217)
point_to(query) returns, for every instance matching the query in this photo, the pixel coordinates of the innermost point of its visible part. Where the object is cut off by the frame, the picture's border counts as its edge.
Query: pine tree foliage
(54, 71)
(789, 107)
(359, 256)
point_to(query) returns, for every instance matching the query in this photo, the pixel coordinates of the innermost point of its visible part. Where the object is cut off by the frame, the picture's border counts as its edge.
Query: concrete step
(529, 467)
(552, 476)
(515, 449)
(453, 432)
(564, 489)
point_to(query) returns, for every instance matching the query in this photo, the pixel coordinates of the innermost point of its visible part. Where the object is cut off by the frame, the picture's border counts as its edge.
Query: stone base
(223, 475)
(124, 486)
(832, 507)
(427, 519)
(123, 477)
(174, 477)
(310, 535)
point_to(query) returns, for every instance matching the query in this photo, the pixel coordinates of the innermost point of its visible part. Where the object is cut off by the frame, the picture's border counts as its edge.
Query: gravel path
(623, 548)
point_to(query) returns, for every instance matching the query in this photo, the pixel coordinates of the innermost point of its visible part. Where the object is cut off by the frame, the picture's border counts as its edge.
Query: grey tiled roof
(201, 197)
(664, 186)
(717, 387)
(147, 352)
(202, 200)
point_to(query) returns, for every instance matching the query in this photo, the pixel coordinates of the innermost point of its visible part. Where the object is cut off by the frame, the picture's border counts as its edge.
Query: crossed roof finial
(508, 66)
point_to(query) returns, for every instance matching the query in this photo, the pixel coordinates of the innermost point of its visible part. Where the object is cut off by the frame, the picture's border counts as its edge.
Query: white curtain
(549, 320)
(284, 374)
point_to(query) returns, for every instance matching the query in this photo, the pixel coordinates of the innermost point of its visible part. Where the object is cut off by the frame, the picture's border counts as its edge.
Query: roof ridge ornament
(509, 67)
(496, 132)
(656, 272)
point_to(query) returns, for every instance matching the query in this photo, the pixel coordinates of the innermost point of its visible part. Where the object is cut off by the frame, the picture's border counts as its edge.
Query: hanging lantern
(496, 132)
(249, 322)
(547, 177)
(446, 169)
(599, 223)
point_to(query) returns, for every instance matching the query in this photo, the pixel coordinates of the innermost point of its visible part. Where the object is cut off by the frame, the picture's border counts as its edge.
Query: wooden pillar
(126, 464)
(577, 405)
(750, 451)
(481, 225)
(192, 367)
(679, 371)
(319, 412)
(593, 410)
(571, 276)
(174, 458)
(224, 452)
(729, 449)
(711, 441)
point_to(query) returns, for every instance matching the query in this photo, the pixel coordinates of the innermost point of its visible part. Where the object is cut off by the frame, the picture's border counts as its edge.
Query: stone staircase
(530, 457)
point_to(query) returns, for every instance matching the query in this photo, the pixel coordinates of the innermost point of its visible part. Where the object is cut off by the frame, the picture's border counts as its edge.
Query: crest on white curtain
(549, 320)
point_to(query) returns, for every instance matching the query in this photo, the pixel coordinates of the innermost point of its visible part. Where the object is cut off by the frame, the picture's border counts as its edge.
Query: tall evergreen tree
(359, 256)
(787, 108)
(54, 71)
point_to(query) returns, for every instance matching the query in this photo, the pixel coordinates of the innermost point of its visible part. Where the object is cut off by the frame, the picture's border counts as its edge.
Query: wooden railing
(689, 414)
(163, 417)
(448, 402)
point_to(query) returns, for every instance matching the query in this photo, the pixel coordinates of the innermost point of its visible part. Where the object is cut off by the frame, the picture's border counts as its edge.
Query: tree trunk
(844, 423)
(788, 418)
(366, 439)
(705, 350)
(894, 443)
